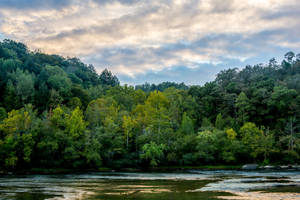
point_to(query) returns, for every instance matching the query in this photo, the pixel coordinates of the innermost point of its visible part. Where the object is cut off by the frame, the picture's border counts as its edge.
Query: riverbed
(187, 185)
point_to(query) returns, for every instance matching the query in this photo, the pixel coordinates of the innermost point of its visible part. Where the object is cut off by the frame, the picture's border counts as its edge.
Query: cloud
(102, 2)
(195, 76)
(139, 38)
(33, 4)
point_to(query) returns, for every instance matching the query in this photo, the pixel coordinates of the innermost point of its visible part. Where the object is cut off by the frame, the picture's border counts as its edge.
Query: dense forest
(58, 112)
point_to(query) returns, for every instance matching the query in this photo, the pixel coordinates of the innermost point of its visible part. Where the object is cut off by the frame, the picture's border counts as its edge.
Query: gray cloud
(34, 4)
(101, 2)
(157, 40)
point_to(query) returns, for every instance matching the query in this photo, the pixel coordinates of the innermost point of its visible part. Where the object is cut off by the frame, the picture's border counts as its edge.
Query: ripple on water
(244, 182)
(193, 183)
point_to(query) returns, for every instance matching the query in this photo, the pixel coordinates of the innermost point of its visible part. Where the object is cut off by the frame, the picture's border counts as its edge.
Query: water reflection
(147, 186)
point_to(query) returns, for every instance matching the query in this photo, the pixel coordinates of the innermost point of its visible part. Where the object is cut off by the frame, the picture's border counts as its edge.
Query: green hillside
(58, 112)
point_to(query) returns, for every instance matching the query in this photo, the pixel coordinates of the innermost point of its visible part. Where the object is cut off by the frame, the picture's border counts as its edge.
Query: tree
(99, 109)
(119, 123)
(226, 77)
(292, 136)
(107, 78)
(207, 145)
(58, 117)
(289, 56)
(258, 142)
(74, 102)
(75, 124)
(232, 150)
(56, 79)
(10, 99)
(153, 153)
(24, 85)
(250, 132)
(231, 134)
(92, 152)
(243, 106)
(284, 100)
(206, 123)
(156, 116)
(187, 125)
(273, 63)
(73, 143)
(111, 140)
(220, 122)
(265, 146)
(17, 145)
(128, 125)
(3, 113)
(298, 57)
(54, 100)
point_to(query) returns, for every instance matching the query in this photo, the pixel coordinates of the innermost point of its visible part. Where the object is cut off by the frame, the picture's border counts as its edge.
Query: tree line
(58, 112)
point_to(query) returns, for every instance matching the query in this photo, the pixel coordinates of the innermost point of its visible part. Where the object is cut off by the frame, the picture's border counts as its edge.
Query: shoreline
(53, 171)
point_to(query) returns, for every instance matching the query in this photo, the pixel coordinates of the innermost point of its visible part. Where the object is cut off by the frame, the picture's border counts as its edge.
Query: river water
(189, 185)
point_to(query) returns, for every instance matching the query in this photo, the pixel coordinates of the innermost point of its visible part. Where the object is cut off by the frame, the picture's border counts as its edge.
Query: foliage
(187, 125)
(107, 78)
(58, 112)
(153, 153)
(220, 122)
(231, 134)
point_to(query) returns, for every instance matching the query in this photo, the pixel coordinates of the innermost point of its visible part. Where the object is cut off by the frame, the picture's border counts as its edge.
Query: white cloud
(160, 34)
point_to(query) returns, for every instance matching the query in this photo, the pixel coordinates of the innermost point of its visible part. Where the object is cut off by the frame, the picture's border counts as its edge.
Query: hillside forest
(57, 112)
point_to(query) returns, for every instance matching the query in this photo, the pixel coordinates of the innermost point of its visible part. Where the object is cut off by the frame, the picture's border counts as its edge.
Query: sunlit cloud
(139, 38)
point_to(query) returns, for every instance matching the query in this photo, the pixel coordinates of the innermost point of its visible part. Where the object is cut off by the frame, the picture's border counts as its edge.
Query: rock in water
(269, 167)
(250, 167)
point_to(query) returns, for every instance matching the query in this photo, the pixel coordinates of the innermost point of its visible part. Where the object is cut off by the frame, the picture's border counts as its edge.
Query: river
(188, 185)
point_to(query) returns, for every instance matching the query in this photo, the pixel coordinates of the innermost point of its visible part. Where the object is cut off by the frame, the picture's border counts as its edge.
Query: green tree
(10, 99)
(156, 116)
(75, 124)
(112, 141)
(74, 102)
(107, 78)
(3, 113)
(231, 134)
(265, 147)
(258, 142)
(58, 80)
(24, 85)
(220, 122)
(207, 145)
(243, 106)
(99, 109)
(206, 123)
(128, 125)
(18, 130)
(92, 152)
(153, 153)
(291, 141)
(284, 100)
(187, 125)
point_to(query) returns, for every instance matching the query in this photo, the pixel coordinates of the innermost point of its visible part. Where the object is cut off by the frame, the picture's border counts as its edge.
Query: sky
(154, 41)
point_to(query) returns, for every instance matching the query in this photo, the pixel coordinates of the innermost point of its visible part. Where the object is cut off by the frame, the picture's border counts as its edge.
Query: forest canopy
(57, 112)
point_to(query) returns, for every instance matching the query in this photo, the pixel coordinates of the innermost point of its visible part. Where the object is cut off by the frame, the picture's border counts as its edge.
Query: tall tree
(243, 106)
(107, 78)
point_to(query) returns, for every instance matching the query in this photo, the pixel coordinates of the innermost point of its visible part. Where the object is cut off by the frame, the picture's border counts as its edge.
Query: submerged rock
(250, 167)
(286, 167)
(269, 167)
(297, 167)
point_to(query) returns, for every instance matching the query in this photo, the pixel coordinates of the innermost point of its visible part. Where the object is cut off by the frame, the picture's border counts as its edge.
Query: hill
(58, 112)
